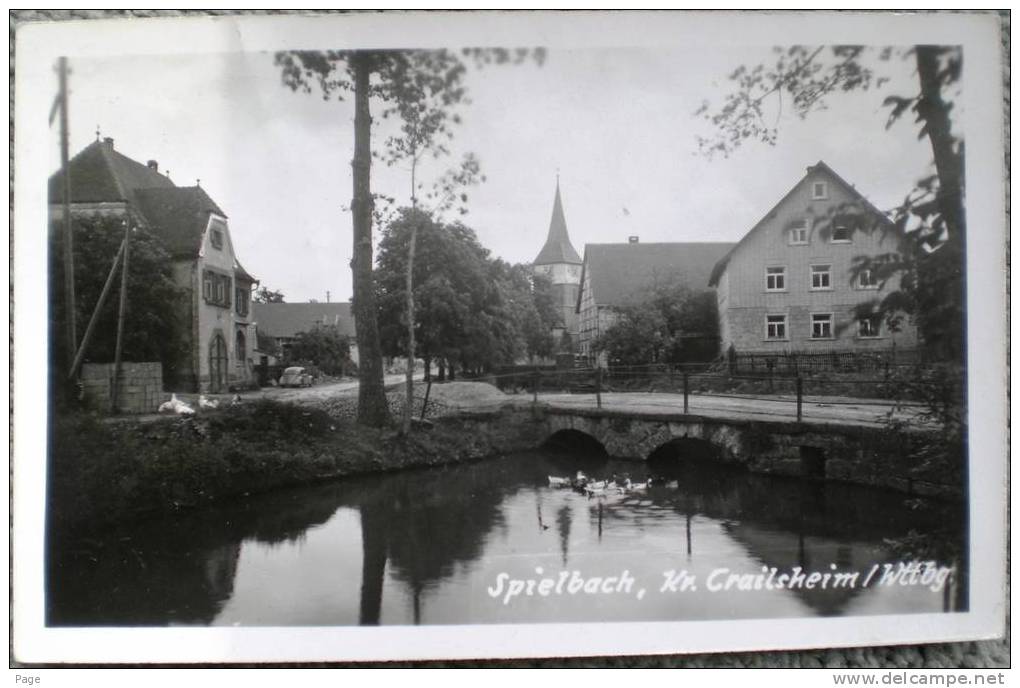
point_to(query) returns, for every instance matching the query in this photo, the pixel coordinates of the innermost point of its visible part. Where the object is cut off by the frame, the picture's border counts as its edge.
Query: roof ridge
(105, 152)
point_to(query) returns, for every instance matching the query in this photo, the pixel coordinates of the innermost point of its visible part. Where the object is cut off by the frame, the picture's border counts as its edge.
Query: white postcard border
(37, 48)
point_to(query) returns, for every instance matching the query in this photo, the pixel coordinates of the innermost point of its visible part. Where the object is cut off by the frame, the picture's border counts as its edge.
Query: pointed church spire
(558, 248)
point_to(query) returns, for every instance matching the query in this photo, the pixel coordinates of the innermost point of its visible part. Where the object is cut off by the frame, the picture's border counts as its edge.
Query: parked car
(296, 376)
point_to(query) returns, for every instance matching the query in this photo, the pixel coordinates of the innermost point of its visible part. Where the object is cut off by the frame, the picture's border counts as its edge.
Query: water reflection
(427, 546)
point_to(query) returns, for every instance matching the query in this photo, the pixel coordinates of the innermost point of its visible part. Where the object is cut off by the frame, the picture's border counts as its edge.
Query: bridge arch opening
(570, 451)
(684, 457)
(575, 442)
(812, 462)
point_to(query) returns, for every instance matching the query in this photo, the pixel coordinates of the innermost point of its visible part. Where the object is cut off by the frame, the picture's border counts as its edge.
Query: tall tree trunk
(934, 112)
(944, 272)
(372, 409)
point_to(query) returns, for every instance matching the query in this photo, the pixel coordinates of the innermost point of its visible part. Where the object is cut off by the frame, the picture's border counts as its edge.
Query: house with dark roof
(790, 284)
(558, 261)
(282, 322)
(617, 275)
(218, 327)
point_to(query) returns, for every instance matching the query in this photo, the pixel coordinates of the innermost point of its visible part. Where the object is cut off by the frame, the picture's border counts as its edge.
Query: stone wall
(141, 386)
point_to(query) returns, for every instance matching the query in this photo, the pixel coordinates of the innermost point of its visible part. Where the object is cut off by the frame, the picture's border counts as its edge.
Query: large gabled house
(790, 284)
(218, 327)
(618, 275)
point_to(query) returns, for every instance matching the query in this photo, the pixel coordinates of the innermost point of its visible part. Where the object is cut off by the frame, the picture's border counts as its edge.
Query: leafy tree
(266, 295)
(449, 279)
(528, 309)
(471, 310)
(666, 323)
(930, 286)
(405, 82)
(638, 336)
(154, 328)
(422, 133)
(324, 347)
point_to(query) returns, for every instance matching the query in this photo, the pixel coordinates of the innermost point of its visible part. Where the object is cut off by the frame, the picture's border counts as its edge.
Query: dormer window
(819, 191)
(799, 233)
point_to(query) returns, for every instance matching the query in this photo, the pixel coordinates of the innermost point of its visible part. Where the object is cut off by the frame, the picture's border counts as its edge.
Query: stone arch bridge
(866, 455)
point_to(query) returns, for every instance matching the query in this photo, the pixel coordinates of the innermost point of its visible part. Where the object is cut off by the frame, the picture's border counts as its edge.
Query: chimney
(633, 239)
(153, 165)
(109, 142)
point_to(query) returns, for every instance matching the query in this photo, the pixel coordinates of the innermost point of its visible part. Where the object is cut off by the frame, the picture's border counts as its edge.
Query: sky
(617, 125)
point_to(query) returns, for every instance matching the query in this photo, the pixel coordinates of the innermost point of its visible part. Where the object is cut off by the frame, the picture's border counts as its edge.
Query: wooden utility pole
(69, 300)
(87, 337)
(121, 311)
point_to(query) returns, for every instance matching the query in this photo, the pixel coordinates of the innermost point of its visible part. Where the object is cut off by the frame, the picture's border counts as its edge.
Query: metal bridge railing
(923, 388)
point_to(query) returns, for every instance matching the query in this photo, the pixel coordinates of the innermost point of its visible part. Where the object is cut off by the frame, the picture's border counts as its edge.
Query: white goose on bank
(177, 406)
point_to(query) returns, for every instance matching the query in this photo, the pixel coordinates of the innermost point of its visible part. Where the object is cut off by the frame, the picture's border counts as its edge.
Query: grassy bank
(108, 472)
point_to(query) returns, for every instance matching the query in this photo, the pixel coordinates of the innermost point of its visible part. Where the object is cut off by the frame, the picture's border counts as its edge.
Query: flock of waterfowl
(620, 485)
(181, 408)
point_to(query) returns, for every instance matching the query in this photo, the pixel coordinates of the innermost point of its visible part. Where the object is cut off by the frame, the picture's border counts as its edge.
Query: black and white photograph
(426, 335)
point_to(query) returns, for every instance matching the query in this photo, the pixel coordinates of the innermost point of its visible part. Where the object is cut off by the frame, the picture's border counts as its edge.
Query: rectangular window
(799, 233)
(216, 288)
(775, 327)
(241, 298)
(821, 277)
(866, 279)
(775, 279)
(821, 326)
(216, 238)
(869, 327)
(819, 190)
(843, 227)
(841, 232)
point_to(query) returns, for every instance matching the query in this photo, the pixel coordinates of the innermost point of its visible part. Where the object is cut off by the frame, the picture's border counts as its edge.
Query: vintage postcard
(384, 336)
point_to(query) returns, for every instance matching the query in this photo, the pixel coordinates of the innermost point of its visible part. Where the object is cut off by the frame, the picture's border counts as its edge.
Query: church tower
(558, 260)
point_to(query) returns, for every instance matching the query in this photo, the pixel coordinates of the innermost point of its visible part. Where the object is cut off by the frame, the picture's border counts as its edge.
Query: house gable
(790, 283)
(184, 220)
(802, 203)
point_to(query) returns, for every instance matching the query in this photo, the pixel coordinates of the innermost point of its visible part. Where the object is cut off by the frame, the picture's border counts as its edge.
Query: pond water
(460, 544)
